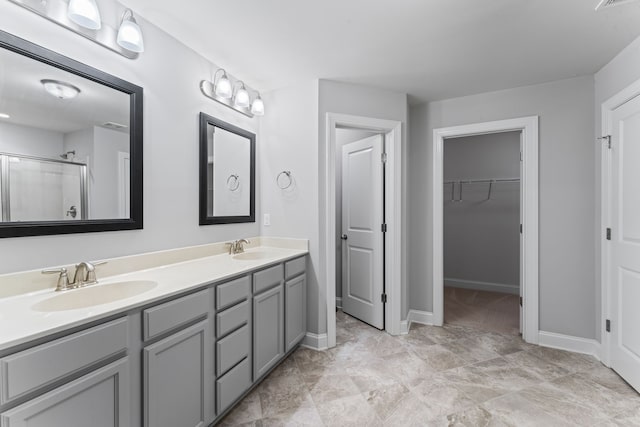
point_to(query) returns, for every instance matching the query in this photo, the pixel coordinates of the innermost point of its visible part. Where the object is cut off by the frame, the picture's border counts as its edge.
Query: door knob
(343, 237)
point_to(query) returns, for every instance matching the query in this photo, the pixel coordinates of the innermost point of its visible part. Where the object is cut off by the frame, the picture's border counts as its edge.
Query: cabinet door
(99, 399)
(177, 379)
(296, 311)
(268, 330)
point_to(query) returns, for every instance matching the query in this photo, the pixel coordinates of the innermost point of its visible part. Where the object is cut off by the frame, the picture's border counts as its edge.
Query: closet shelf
(476, 181)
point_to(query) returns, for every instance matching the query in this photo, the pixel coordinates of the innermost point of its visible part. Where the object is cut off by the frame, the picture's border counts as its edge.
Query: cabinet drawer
(232, 385)
(268, 278)
(295, 267)
(232, 318)
(170, 315)
(232, 292)
(231, 350)
(31, 369)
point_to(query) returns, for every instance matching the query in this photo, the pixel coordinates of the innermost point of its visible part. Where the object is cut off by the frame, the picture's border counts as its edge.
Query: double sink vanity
(175, 339)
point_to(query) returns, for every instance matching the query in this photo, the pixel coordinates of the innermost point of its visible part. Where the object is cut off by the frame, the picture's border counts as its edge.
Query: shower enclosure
(41, 189)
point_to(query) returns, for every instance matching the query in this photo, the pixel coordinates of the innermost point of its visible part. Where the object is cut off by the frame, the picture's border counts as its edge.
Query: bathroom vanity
(181, 352)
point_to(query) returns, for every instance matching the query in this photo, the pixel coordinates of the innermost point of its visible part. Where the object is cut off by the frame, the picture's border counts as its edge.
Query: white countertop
(20, 323)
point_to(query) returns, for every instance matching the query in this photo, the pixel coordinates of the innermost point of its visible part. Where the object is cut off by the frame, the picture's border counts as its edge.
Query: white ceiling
(431, 49)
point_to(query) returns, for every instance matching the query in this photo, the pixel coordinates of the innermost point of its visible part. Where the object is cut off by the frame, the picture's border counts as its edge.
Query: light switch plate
(267, 219)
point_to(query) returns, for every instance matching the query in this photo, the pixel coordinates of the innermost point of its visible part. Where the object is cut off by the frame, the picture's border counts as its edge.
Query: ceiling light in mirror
(4, 116)
(85, 13)
(61, 90)
(129, 33)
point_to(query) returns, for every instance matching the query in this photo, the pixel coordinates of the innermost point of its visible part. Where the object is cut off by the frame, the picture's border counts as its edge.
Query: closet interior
(482, 231)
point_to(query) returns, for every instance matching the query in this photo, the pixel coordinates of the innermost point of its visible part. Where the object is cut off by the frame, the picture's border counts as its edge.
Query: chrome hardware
(63, 279)
(72, 212)
(344, 237)
(285, 183)
(236, 247)
(85, 274)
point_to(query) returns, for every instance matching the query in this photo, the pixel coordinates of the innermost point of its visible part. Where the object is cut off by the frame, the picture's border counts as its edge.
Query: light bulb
(223, 87)
(61, 90)
(129, 34)
(242, 98)
(84, 13)
(257, 108)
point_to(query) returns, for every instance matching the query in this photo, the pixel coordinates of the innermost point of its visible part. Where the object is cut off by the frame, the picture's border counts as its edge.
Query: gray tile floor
(449, 376)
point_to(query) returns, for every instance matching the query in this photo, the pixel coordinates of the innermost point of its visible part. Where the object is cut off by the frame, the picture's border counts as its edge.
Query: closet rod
(478, 181)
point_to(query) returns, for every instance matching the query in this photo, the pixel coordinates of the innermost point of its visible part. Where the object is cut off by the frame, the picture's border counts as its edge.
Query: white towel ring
(233, 182)
(285, 183)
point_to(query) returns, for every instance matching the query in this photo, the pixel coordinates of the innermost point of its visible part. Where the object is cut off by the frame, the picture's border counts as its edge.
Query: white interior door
(625, 242)
(362, 218)
(124, 184)
(521, 273)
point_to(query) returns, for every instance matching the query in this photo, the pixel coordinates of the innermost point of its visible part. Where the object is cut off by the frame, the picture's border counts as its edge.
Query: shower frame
(5, 178)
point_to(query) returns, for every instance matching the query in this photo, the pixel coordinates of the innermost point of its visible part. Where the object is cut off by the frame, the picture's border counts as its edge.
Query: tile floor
(449, 376)
(490, 311)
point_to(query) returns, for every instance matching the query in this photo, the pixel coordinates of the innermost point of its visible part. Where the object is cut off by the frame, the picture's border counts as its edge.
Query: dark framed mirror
(227, 172)
(71, 142)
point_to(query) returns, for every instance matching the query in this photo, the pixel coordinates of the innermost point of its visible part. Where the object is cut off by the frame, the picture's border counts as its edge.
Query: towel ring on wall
(284, 184)
(233, 182)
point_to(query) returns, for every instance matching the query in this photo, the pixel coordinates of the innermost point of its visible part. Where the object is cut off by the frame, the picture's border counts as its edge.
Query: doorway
(393, 216)
(481, 231)
(528, 126)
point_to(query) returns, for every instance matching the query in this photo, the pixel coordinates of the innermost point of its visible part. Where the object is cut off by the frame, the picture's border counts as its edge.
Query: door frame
(393, 211)
(607, 109)
(529, 128)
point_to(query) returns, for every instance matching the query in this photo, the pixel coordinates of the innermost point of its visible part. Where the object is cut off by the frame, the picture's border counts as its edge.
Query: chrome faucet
(237, 246)
(84, 275)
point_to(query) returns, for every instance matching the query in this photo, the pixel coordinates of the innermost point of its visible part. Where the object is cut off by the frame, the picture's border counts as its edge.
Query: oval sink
(95, 295)
(252, 256)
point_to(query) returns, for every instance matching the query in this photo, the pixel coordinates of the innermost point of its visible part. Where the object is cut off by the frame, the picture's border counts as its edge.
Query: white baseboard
(338, 302)
(418, 316)
(404, 327)
(481, 286)
(570, 343)
(315, 341)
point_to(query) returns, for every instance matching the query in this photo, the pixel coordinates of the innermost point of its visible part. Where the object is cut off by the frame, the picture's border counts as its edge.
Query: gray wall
(621, 72)
(566, 215)
(481, 237)
(172, 102)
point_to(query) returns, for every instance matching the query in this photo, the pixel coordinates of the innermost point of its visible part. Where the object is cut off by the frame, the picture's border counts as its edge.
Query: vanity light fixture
(4, 116)
(241, 98)
(129, 33)
(222, 87)
(257, 107)
(85, 13)
(83, 18)
(233, 93)
(61, 90)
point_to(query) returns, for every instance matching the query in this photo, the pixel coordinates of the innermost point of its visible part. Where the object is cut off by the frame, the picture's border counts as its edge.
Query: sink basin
(252, 256)
(94, 295)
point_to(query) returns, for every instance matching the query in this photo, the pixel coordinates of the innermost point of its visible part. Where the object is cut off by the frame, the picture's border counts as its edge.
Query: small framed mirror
(227, 172)
(70, 145)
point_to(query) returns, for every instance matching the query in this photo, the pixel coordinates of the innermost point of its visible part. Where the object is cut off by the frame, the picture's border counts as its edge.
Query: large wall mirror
(227, 172)
(70, 145)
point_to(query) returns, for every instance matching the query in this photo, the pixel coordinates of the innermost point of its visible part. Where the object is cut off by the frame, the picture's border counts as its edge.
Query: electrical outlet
(267, 220)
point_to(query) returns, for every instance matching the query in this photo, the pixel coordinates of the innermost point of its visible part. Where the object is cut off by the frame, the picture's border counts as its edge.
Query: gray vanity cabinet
(295, 293)
(98, 399)
(175, 374)
(268, 330)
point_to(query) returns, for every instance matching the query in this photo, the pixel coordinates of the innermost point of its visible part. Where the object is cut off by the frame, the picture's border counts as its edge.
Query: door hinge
(521, 156)
(384, 157)
(520, 228)
(608, 234)
(608, 325)
(520, 301)
(608, 139)
(383, 297)
(384, 228)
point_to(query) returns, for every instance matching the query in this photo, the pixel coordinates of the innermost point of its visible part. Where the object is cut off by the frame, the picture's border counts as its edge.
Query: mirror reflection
(64, 144)
(227, 173)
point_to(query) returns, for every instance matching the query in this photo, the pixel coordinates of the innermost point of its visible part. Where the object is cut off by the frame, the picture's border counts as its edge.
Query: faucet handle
(63, 279)
(91, 271)
(232, 246)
